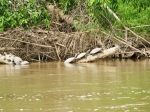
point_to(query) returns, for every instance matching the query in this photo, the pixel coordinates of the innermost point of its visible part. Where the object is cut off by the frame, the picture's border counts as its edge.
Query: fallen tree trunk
(4, 61)
(7, 48)
(105, 53)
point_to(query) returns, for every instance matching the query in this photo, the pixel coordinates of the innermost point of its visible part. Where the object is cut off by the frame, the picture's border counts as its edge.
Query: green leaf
(90, 2)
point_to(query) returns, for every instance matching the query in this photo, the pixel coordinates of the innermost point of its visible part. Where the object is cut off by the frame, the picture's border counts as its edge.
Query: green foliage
(32, 12)
(96, 10)
(134, 13)
(67, 5)
(28, 13)
(131, 12)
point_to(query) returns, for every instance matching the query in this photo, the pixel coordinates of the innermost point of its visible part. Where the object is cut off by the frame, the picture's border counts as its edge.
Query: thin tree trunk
(126, 28)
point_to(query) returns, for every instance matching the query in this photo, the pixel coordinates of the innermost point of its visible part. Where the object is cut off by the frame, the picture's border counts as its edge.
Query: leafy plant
(26, 14)
(131, 12)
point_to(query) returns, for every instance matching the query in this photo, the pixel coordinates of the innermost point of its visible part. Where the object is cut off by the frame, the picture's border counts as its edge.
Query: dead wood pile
(62, 41)
(39, 44)
(43, 45)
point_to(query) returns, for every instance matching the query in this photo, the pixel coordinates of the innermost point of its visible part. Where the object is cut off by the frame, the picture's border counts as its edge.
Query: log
(105, 53)
(4, 61)
(39, 45)
(7, 49)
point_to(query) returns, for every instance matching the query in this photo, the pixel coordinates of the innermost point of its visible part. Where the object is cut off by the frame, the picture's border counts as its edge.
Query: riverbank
(63, 39)
(38, 44)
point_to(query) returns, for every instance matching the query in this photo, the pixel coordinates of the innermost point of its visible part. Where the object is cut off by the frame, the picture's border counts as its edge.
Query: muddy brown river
(102, 86)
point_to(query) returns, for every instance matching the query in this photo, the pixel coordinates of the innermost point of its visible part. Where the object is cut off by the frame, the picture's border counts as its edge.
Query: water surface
(103, 86)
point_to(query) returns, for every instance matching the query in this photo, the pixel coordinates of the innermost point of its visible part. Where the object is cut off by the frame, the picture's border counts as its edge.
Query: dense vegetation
(132, 13)
(29, 13)
(25, 13)
(87, 24)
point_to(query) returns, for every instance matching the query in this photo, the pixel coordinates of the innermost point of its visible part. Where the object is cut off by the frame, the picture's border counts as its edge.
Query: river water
(102, 86)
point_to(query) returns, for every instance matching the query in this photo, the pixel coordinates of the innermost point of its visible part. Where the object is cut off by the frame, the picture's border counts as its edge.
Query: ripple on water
(123, 97)
(126, 106)
(25, 97)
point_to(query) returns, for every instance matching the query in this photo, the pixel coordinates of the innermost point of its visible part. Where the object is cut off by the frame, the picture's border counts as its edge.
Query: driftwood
(4, 61)
(37, 44)
(23, 42)
(105, 53)
(7, 49)
(44, 45)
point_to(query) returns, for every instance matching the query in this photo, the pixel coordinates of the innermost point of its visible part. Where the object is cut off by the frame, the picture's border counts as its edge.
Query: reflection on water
(8, 70)
(103, 86)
